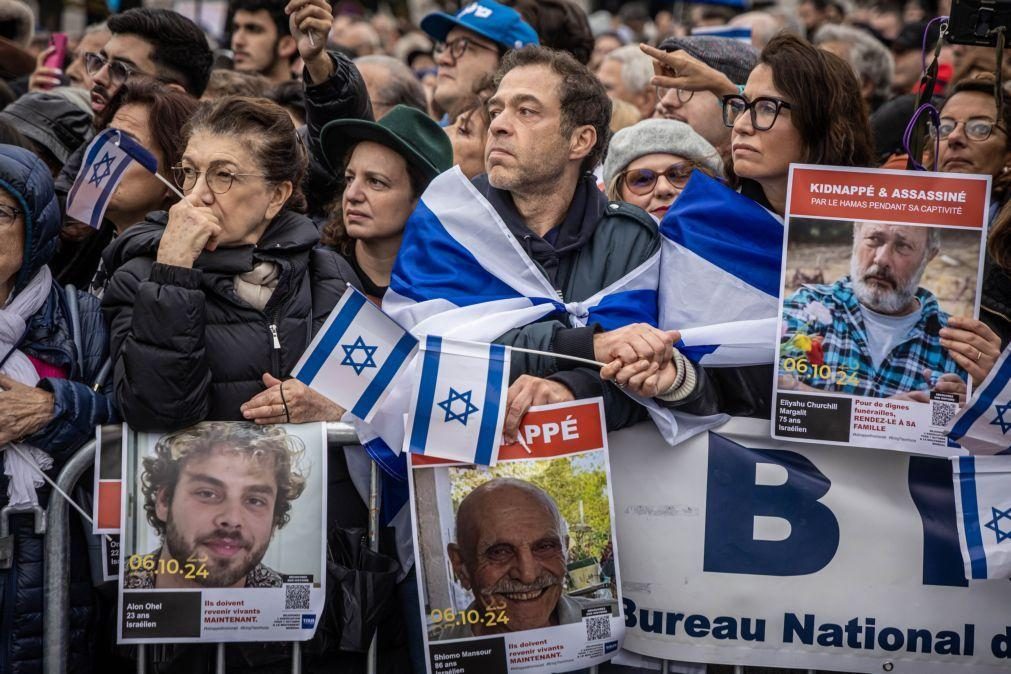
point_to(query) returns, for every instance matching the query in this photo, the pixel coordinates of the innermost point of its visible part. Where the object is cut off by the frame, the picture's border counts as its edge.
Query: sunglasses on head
(642, 181)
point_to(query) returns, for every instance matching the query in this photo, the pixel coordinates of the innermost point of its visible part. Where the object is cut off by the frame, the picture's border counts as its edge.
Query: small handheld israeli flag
(983, 511)
(356, 355)
(739, 33)
(983, 426)
(105, 160)
(459, 402)
(720, 261)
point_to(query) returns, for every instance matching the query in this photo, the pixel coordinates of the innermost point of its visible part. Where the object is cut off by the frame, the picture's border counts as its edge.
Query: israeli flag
(460, 272)
(982, 426)
(983, 509)
(721, 257)
(106, 158)
(356, 356)
(458, 405)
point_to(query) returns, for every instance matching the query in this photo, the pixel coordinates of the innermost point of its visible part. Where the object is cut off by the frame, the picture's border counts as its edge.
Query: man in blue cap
(469, 46)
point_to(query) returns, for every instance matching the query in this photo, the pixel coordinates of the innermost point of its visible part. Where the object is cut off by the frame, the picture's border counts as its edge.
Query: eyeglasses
(119, 72)
(976, 128)
(218, 180)
(459, 46)
(684, 95)
(764, 110)
(642, 181)
(8, 214)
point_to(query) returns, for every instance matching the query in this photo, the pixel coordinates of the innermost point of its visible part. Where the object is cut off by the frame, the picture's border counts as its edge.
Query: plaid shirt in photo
(833, 312)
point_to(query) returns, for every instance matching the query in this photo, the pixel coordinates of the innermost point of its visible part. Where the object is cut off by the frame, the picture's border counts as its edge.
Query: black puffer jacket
(186, 348)
(50, 338)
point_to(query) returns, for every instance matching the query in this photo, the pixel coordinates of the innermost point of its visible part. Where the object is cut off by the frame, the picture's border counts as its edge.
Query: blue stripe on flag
(624, 308)
(728, 230)
(140, 154)
(328, 343)
(426, 394)
(983, 402)
(486, 439)
(696, 353)
(103, 199)
(455, 275)
(387, 459)
(970, 516)
(382, 380)
(88, 160)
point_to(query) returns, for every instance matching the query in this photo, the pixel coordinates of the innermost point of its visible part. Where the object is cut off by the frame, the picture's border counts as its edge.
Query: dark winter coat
(78, 409)
(596, 244)
(186, 348)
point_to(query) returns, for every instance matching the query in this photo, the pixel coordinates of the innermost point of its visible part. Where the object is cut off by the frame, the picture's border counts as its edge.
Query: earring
(1004, 170)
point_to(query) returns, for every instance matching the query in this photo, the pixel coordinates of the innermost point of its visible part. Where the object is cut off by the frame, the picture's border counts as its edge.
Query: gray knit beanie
(733, 58)
(653, 136)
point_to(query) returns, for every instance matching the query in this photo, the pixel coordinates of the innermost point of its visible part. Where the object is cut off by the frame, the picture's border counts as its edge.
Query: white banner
(736, 548)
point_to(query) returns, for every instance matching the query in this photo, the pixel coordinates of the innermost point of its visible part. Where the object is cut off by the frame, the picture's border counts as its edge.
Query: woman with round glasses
(971, 139)
(215, 300)
(799, 105)
(649, 163)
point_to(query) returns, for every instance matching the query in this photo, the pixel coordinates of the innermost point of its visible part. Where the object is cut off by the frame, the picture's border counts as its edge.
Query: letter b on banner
(734, 499)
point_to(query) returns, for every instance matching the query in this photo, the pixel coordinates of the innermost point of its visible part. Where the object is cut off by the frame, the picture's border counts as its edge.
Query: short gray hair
(871, 60)
(403, 87)
(636, 67)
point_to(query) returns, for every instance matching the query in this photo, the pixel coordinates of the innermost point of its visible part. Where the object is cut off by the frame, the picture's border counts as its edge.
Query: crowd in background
(302, 136)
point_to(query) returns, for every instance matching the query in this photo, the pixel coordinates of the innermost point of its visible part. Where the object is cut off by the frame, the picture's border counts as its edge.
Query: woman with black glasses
(215, 300)
(800, 105)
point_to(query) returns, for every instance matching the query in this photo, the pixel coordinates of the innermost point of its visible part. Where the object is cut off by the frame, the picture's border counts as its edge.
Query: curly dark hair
(161, 471)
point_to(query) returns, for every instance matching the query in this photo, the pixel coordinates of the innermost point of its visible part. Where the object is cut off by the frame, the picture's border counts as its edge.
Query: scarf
(14, 317)
(257, 285)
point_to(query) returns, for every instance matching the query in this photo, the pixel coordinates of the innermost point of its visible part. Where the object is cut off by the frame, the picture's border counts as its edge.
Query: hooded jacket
(186, 348)
(78, 409)
(597, 243)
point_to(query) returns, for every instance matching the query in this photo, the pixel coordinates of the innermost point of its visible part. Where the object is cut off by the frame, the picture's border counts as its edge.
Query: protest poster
(222, 536)
(515, 562)
(110, 445)
(110, 557)
(740, 549)
(875, 262)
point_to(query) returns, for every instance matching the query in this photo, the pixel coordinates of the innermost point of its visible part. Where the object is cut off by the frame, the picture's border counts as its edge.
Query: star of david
(104, 163)
(994, 524)
(349, 350)
(468, 407)
(1005, 425)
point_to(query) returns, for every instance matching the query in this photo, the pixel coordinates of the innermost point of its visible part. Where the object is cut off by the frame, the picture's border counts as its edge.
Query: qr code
(597, 627)
(296, 597)
(941, 414)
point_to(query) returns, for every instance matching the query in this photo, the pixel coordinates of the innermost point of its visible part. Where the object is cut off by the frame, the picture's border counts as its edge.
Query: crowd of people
(302, 138)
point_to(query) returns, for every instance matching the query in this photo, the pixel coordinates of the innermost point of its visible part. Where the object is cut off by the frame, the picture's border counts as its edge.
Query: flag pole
(577, 359)
(169, 185)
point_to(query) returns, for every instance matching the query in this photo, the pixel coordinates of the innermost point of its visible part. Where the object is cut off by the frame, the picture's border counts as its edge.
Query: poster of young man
(221, 539)
(517, 564)
(878, 268)
(110, 445)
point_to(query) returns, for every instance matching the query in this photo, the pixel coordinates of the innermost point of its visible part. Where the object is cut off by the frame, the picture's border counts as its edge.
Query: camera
(975, 22)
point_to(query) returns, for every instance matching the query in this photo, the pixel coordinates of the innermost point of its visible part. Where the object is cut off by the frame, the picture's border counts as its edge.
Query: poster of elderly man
(879, 339)
(517, 562)
(221, 539)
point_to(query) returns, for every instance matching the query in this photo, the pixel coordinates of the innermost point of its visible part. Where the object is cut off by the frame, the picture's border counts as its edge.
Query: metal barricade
(56, 597)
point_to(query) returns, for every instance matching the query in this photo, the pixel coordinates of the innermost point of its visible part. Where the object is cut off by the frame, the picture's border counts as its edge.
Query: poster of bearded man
(222, 534)
(879, 340)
